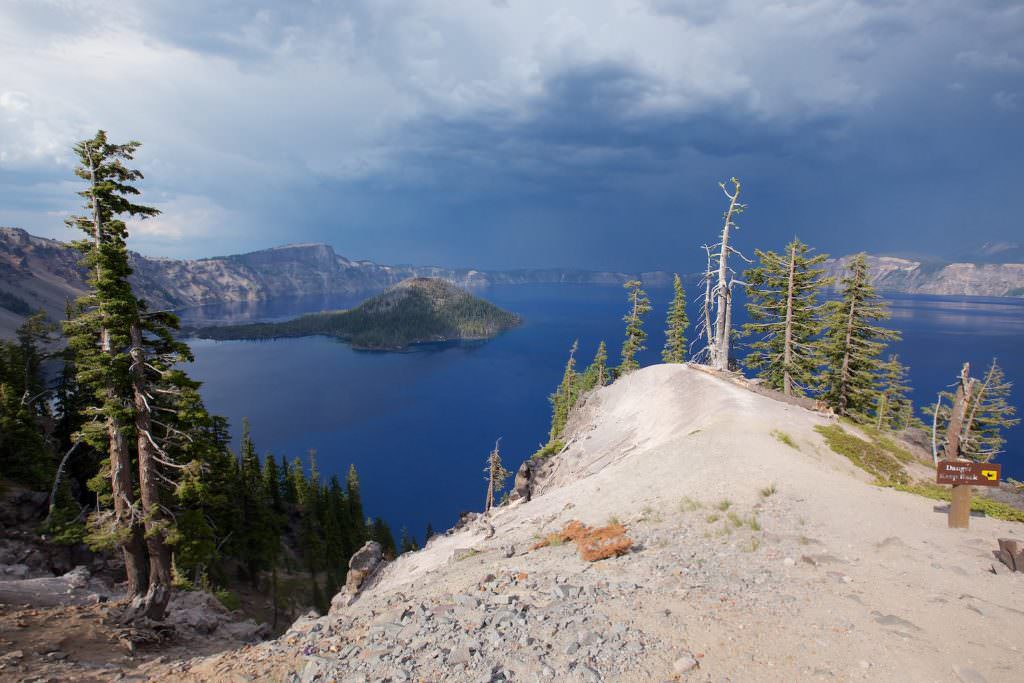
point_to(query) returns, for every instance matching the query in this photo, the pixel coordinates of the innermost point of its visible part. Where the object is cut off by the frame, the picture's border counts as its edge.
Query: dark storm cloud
(518, 133)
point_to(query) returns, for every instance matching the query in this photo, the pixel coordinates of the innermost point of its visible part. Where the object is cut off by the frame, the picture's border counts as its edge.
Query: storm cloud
(508, 134)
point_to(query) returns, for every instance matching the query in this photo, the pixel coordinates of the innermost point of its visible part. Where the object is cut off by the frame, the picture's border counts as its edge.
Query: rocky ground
(57, 610)
(752, 559)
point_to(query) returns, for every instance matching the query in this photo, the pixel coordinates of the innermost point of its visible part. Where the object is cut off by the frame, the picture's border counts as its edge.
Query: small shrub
(724, 504)
(688, 504)
(753, 523)
(713, 517)
(768, 491)
(651, 515)
(227, 598)
(734, 519)
(547, 450)
(783, 437)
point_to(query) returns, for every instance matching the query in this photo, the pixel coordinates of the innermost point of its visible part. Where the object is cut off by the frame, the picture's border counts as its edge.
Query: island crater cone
(415, 311)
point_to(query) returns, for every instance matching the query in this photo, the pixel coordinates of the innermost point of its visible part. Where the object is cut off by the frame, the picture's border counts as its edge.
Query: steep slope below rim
(752, 560)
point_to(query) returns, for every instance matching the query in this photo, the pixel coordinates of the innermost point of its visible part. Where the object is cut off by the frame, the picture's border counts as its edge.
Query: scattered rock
(685, 664)
(362, 565)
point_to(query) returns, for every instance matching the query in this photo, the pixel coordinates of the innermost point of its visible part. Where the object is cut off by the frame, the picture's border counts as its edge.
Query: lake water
(419, 425)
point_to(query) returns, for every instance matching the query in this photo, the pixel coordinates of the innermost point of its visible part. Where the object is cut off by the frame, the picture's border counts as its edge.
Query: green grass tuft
(724, 504)
(983, 504)
(870, 457)
(688, 504)
(785, 438)
(768, 491)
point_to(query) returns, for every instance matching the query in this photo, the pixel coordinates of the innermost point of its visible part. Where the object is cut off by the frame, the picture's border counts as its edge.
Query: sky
(506, 133)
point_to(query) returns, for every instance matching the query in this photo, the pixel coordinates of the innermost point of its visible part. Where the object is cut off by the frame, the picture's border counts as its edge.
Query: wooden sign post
(960, 505)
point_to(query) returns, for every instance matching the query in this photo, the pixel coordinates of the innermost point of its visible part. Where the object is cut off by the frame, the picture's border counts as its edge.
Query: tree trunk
(960, 502)
(723, 352)
(956, 416)
(154, 604)
(844, 377)
(787, 350)
(708, 329)
(721, 360)
(124, 495)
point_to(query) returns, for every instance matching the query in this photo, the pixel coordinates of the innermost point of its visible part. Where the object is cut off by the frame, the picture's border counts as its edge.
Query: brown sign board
(959, 472)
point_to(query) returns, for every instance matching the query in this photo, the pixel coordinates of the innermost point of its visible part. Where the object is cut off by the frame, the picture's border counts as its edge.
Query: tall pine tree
(785, 317)
(675, 325)
(639, 306)
(100, 336)
(853, 343)
(564, 398)
(596, 374)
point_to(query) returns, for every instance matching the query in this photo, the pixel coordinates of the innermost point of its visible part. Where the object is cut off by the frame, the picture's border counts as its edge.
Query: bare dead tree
(496, 475)
(718, 333)
(935, 429)
(962, 398)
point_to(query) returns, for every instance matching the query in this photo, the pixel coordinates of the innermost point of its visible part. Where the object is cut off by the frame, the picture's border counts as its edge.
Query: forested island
(414, 311)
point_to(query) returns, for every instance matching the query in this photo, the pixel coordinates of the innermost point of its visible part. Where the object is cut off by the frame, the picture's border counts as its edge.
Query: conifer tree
(381, 532)
(894, 410)
(408, 543)
(676, 324)
(989, 415)
(102, 335)
(639, 306)
(497, 475)
(785, 317)
(299, 484)
(853, 343)
(358, 530)
(596, 374)
(258, 539)
(24, 455)
(271, 484)
(428, 534)
(564, 398)
(287, 483)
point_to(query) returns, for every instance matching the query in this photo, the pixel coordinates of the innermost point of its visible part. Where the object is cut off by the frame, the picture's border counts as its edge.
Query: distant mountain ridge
(43, 273)
(893, 274)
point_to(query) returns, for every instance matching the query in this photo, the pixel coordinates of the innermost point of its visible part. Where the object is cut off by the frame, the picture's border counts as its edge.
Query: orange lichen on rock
(593, 543)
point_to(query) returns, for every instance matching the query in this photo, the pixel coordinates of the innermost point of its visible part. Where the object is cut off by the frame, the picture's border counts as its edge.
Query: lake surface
(419, 425)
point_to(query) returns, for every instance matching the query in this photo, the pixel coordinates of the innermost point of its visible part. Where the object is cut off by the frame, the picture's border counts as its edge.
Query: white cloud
(1008, 101)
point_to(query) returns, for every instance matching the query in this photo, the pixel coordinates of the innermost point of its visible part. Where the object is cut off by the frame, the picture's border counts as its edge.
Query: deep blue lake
(419, 425)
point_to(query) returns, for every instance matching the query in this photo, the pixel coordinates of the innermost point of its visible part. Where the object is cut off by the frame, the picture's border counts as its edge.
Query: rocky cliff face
(952, 279)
